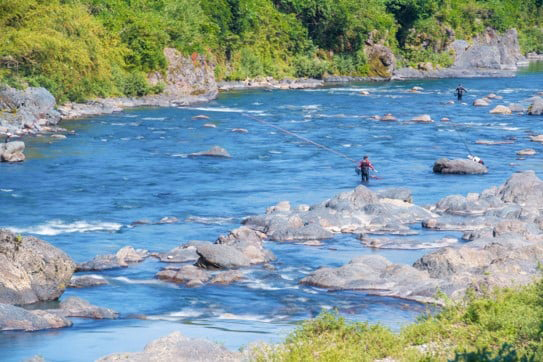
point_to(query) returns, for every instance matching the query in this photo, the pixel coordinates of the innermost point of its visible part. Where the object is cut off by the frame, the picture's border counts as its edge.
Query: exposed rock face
(460, 166)
(16, 318)
(489, 50)
(505, 226)
(175, 348)
(25, 110)
(31, 269)
(489, 54)
(381, 60)
(192, 75)
(121, 259)
(12, 151)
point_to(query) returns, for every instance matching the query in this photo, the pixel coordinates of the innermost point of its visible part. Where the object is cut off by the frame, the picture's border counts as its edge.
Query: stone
(425, 118)
(12, 151)
(220, 256)
(501, 109)
(494, 142)
(538, 138)
(240, 130)
(364, 93)
(80, 308)
(210, 125)
(536, 108)
(227, 277)
(87, 281)
(445, 119)
(458, 166)
(31, 269)
(168, 220)
(516, 107)
(215, 151)
(388, 118)
(200, 116)
(526, 152)
(187, 274)
(121, 259)
(58, 136)
(179, 254)
(14, 318)
(176, 348)
(480, 102)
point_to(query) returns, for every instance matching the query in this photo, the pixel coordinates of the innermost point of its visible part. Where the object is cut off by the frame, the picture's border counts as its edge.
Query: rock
(526, 152)
(445, 119)
(179, 254)
(480, 103)
(58, 136)
(388, 118)
(492, 142)
(87, 281)
(538, 138)
(31, 269)
(493, 96)
(210, 125)
(523, 188)
(381, 59)
(80, 308)
(121, 259)
(364, 93)
(396, 193)
(500, 109)
(249, 243)
(240, 130)
(14, 318)
(176, 348)
(405, 244)
(515, 107)
(12, 151)
(536, 108)
(417, 88)
(227, 277)
(283, 206)
(220, 256)
(200, 116)
(168, 220)
(187, 274)
(458, 166)
(215, 151)
(425, 118)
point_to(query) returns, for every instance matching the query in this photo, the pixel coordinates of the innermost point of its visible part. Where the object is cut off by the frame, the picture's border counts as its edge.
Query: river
(82, 194)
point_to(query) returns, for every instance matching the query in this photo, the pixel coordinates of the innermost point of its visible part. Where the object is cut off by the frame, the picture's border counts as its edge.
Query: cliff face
(489, 50)
(186, 76)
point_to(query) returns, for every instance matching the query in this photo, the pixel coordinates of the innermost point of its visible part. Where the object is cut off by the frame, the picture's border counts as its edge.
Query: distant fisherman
(460, 92)
(365, 165)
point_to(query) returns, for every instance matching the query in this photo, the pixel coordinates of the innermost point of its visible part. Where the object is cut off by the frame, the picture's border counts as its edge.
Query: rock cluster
(12, 151)
(121, 259)
(504, 226)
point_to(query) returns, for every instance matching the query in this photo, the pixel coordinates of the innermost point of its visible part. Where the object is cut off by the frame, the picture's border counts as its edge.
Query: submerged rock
(176, 347)
(31, 269)
(458, 166)
(215, 151)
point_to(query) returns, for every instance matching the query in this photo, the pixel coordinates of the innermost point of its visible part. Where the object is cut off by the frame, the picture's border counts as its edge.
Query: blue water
(81, 194)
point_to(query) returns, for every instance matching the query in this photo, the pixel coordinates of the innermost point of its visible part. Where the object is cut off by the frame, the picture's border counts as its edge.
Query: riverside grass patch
(81, 49)
(505, 324)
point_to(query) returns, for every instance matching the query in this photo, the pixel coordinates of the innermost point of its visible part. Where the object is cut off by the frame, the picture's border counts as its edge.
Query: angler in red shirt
(365, 165)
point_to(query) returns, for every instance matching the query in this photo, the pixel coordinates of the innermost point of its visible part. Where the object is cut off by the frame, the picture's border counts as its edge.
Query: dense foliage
(84, 48)
(505, 325)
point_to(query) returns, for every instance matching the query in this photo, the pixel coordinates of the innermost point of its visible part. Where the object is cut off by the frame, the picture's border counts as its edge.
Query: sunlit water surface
(81, 194)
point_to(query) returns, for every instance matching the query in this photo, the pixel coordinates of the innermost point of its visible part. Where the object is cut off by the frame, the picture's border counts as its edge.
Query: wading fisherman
(364, 165)
(460, 92)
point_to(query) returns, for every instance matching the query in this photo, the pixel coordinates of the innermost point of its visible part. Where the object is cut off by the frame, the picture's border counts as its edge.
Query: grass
(505, 324)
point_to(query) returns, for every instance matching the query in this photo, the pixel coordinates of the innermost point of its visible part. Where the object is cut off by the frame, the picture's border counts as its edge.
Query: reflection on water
(83, 194)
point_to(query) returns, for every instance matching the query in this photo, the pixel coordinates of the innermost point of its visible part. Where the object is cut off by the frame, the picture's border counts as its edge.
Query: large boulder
(190, 275)
(14, 318)
(31, 269)
(536, 108)
(12, 151)
(77, 307)
(458, 166)
(220, 256)
(177, 348)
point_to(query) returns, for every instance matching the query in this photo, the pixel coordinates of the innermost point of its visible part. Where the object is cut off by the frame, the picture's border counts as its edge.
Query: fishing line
(300, 137)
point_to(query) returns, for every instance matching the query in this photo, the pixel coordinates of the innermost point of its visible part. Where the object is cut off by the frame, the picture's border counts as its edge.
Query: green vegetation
(505, 325)
(80, 49)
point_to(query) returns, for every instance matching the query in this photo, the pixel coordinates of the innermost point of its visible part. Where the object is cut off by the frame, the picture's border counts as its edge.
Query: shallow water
(81, 194)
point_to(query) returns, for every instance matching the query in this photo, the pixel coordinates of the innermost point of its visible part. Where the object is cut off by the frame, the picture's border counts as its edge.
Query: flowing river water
(82, 194)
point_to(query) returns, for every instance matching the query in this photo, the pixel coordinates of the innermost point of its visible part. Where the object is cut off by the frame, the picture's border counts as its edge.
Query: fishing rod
(300, 137)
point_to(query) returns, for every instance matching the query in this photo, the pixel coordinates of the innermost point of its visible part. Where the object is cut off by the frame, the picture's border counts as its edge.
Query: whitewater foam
(56, 227)
(211, 220)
